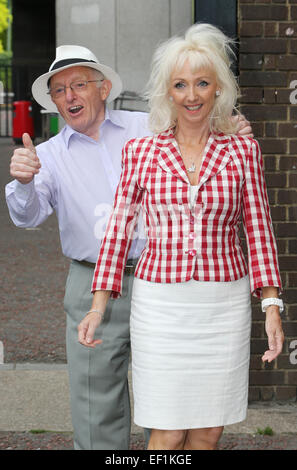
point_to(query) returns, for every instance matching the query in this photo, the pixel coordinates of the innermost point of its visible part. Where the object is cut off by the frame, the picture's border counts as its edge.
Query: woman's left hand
(275, 334)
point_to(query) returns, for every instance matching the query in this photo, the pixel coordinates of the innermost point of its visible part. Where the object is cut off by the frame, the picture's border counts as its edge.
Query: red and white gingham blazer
(183, 243)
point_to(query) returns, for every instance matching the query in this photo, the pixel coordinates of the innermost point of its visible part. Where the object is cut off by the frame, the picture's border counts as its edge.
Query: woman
(191, 312)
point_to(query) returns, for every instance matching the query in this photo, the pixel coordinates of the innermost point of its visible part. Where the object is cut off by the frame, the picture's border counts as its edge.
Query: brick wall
(268, 65)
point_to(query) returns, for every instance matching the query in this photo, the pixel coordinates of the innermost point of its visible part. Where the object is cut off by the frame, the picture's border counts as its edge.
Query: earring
(218, 93)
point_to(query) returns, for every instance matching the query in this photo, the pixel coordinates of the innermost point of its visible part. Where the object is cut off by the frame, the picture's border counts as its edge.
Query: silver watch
(272, 301)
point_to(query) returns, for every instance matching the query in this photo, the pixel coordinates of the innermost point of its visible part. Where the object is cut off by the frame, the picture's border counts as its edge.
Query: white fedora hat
(73, 56)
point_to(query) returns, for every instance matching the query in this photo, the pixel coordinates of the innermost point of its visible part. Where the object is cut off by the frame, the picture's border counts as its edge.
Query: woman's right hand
(87, 327)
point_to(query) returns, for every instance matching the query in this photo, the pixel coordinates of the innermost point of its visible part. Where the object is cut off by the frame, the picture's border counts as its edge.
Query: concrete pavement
(36, 396)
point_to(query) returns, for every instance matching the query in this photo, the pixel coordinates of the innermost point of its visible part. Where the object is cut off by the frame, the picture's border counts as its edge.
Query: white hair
(97, 75)
(204, 46)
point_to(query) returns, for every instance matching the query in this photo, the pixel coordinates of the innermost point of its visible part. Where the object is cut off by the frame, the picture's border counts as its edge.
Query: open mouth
(194, 108)
(75, 109)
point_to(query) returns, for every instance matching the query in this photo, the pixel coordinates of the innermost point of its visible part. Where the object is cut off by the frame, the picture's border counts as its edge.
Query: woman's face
(193, 94)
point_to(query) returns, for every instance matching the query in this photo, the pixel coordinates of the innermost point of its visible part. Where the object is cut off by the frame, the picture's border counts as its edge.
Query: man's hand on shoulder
(244, 126)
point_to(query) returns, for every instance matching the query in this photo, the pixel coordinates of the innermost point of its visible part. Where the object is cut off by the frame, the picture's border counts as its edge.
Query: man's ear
(105, 89)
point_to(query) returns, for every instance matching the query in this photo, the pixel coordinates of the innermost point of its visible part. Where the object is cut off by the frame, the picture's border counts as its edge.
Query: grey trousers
(99, 393)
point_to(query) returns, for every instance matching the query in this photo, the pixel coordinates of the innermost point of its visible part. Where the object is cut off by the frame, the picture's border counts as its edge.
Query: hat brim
(40, 86)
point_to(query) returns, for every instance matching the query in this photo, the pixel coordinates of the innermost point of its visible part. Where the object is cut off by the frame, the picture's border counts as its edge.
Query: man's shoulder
(128, 119)
(128, 115)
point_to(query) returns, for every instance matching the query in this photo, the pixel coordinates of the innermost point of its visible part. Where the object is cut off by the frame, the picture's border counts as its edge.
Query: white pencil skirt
(190, 353)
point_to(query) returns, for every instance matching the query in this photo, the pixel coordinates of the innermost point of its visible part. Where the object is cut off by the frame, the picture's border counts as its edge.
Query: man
(76, 173)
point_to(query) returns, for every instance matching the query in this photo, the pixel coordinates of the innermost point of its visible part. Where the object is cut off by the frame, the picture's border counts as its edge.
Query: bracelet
(272, 301)
(97, 311)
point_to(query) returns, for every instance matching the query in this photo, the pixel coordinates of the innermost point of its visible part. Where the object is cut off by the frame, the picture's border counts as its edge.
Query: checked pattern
(183, 241)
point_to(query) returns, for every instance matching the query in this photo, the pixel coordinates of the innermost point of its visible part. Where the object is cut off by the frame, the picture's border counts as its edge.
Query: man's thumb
(28, 144)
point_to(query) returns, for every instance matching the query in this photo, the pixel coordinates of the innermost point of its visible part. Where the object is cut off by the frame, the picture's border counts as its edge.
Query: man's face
(83, 110)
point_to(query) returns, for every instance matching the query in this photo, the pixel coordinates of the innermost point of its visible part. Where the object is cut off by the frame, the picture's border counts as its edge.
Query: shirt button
(192, 220)
(192, 252)
(192, 236)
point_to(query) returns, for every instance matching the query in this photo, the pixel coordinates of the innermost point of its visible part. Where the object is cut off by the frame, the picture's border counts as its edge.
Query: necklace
(191, 168)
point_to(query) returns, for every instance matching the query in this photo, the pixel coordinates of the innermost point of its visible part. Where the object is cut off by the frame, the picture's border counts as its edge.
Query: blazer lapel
(216, 156)
(168, 155)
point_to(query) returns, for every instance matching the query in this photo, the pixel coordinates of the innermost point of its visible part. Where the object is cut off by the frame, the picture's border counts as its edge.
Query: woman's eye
(203, 83)
(179, 85)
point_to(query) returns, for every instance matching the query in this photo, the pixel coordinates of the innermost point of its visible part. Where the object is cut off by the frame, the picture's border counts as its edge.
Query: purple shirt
(78, 180)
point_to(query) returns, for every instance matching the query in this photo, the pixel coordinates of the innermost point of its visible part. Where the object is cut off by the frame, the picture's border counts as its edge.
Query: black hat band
(63, 63)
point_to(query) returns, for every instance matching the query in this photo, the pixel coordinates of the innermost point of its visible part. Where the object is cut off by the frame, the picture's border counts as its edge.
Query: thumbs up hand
(28, 144)
(24, 163)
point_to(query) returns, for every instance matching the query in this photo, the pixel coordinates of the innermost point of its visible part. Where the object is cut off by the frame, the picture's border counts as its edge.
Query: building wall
(122, 33)
(268, 68)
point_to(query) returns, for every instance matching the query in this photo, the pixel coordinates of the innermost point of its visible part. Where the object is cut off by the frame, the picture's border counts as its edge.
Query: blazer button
(192, 252)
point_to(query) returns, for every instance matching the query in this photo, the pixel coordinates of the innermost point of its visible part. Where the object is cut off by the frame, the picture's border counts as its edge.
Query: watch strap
(272, 301)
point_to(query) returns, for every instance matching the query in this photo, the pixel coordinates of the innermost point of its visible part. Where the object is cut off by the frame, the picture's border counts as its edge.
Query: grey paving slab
(36, 396)
(34, 399)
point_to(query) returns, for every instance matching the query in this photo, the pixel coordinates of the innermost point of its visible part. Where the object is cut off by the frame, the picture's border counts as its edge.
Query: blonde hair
(205, 46)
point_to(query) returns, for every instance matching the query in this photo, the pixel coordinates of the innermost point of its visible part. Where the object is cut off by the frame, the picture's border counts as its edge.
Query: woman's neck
(191, 135)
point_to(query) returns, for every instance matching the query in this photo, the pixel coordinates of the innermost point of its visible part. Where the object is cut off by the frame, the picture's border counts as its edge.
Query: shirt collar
(110, 118)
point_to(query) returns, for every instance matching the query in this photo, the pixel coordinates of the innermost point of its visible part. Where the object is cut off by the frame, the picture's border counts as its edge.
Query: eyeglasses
(78, 87)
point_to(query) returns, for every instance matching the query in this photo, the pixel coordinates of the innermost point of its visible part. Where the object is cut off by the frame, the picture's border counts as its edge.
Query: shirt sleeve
(30, 204)
(261, 243)
(108, 274)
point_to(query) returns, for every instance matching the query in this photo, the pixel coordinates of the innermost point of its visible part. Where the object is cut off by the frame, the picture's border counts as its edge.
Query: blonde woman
(191, 309)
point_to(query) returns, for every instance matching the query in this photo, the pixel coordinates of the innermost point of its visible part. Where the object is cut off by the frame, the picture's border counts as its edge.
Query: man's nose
(69, 93)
